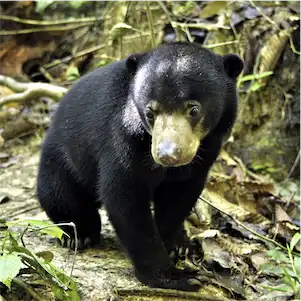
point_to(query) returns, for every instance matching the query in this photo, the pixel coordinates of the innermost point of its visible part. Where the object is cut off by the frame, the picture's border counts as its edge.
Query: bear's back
(97, 92)
(80, 128)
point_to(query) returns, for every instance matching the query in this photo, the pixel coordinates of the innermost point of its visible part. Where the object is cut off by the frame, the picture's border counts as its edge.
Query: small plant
(285, 265)
(17, 260)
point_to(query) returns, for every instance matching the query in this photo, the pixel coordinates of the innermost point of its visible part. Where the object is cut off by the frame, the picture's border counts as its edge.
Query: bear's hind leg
(65, 201)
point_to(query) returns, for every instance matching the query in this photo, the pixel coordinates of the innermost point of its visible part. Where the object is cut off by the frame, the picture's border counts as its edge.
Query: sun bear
(144, 129)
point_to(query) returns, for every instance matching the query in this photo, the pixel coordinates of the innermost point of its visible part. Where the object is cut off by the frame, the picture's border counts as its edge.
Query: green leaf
(271, 269)
(282, 288)
(46, 255)
(278, 270)
(76, 4)
(66, 295)
(295, 239)
(102, 63)
(123, 25)
(256, 86)
(119, 27)
(213, 8)
(255, 76)
(72, 73)
(278, 255)
(70, 290)
(10, 266)
(288, 279)
(42, 5)
(297, 265)
(65, 287)
(43, 226)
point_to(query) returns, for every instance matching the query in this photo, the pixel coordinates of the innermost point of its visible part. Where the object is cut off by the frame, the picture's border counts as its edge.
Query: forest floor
(107, 274)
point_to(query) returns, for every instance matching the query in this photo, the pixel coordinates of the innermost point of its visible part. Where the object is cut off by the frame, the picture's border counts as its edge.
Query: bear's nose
(168, 153)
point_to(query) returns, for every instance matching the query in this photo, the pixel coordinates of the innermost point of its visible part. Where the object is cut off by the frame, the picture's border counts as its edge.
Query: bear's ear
(132, 62)
(233, 65)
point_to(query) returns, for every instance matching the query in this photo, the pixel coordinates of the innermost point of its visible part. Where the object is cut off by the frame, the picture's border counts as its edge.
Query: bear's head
(180, 92)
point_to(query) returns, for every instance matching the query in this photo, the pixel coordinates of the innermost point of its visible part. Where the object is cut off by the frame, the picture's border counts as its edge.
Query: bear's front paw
(83, 242)
(173, 278)
(180, 247)
(180, 252)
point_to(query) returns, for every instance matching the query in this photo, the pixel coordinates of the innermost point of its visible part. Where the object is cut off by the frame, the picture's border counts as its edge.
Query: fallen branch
(168, 294)
(27, 91)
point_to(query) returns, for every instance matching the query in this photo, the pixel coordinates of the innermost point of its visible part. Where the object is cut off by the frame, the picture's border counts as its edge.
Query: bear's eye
(149, 115)
(194, 111)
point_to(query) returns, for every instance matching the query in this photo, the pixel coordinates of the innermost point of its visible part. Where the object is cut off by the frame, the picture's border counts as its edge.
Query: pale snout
(168, 153)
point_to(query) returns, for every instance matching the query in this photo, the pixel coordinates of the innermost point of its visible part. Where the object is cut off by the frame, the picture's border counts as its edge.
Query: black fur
(93, 157)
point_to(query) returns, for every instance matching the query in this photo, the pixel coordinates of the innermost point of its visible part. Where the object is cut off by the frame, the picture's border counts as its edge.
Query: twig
(83, 53)
(290, 199)
(48, 23)
(290, 38)
(294, 166)
(46, 74)
(128, 7)
(22, 236)
(71, 224)
(166, 293)
(28, 289)
(79, 54)
(41, 29)
(167, 11)
(200, 26)
(220, 44)
(263, 14)
(169, 17)
(28, 91)
(239, 223)
(150, 23)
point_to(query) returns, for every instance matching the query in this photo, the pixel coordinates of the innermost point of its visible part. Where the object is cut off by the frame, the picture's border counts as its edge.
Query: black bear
(144, 129)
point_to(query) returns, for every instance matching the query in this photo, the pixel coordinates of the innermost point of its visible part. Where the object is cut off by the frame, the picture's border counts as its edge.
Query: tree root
(28, 91)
